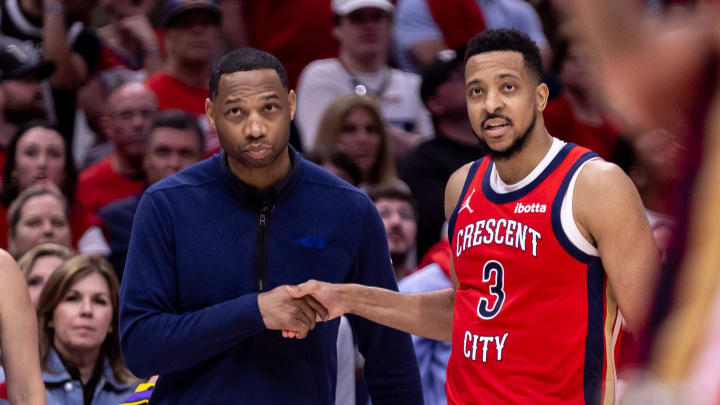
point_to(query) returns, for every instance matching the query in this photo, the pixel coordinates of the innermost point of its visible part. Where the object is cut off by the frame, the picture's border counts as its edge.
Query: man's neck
(127, 167)
(399, 265)
(31, 7)
(518, 166)
(369, 64)
(194, 75)
(262, 178)
(458, 130)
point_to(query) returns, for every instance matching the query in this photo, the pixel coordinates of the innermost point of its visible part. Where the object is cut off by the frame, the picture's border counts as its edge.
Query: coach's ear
(292, 103)
(541, 96)
(210, 112)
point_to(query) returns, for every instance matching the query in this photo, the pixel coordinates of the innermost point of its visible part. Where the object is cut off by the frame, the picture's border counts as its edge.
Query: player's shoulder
(600, 183)
(598, 174)
(454, 187)
(457, 179)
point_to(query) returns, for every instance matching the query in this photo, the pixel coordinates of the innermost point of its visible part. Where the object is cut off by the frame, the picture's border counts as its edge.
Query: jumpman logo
(466, 204)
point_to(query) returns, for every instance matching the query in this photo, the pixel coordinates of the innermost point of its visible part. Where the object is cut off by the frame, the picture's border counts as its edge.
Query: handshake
(296, 309)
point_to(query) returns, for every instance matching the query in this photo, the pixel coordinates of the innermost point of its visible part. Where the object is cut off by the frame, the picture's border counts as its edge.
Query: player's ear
(541, 96)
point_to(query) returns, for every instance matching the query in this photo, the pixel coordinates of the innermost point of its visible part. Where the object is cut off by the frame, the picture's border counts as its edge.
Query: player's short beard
(515, 147)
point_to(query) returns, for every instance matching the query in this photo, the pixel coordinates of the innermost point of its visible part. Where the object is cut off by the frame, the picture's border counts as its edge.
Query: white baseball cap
(345, 7)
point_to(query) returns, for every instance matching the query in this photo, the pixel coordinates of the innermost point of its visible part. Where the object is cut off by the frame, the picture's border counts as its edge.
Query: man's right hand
(282, 312)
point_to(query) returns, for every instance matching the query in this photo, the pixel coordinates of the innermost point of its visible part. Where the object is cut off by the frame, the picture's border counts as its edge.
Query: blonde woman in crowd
(356, 127)
(39, 263)
(79, 346)
(38, 215)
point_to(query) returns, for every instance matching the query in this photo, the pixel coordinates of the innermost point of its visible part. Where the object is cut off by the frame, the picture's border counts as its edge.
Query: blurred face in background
(23, 99)
(42, 269)
(169, 151)
(400, 224)
(83, 318)
(365, 32)
(193, 37)
(42, 219)
(360, 139)
(40, 158)
(451, 94)
(131, 109)
(573, 73)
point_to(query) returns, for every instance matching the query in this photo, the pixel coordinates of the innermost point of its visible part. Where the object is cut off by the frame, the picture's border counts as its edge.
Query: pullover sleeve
(391, 369)
(155, 337)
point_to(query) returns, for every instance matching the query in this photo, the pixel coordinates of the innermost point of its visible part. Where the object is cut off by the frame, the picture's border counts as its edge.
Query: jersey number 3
(496, 290)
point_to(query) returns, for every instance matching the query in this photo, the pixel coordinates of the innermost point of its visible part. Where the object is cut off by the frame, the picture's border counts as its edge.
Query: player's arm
(18, 334)
(426, 314)
(608, 208)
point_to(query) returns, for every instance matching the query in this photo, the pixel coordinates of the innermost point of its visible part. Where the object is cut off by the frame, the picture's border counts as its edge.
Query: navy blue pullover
(188, 305)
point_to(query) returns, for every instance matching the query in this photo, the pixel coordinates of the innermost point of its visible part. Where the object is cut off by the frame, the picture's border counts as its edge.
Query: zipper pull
(262, 219)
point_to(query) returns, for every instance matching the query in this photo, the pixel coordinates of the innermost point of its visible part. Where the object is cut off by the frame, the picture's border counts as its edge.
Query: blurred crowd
(99, 99)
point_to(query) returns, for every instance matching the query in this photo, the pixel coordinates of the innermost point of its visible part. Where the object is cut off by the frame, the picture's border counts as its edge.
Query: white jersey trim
(567, 218)
(500, 187)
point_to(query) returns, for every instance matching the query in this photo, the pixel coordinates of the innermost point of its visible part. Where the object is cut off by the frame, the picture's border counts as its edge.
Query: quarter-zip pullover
(189, 309)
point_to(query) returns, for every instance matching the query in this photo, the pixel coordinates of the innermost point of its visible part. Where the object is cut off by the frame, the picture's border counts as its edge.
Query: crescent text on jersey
(500, 231)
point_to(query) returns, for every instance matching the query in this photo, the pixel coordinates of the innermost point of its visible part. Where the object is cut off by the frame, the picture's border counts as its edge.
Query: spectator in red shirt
(127, 123)
(192, 39)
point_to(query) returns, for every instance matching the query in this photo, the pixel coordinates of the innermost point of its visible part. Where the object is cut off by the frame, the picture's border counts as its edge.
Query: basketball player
(548, 242)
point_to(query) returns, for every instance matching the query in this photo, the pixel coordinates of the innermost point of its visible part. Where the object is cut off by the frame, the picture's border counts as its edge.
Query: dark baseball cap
(440, 70)
(176, 7)
(17, 61)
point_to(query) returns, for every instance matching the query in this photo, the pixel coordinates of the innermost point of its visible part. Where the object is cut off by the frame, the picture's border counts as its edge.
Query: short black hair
(507, 39)
(179, 119)
(244, 60)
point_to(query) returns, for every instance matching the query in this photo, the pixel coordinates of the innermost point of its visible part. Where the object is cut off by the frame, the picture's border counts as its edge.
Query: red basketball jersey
(535, 321)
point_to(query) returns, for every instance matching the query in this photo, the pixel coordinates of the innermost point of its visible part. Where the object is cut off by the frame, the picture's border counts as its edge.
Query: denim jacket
(62, 389)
